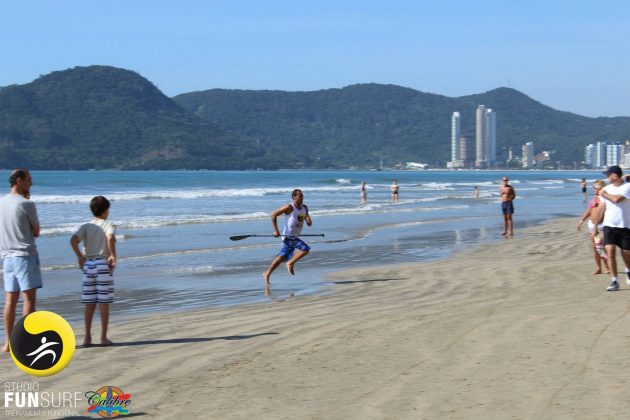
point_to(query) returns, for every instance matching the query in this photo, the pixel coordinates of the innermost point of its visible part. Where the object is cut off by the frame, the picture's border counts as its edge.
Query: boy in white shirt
(97, 261)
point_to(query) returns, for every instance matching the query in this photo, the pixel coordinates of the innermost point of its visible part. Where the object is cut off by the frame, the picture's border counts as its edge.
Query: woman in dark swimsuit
(395, 189)
(584, 190)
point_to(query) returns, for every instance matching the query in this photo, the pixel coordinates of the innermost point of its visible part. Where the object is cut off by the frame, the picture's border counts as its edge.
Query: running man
(296, 214)
(19, 226)
(507, 206)
(615, 213)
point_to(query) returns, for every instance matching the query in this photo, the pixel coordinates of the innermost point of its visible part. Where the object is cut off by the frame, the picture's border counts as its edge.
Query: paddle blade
(239, 237)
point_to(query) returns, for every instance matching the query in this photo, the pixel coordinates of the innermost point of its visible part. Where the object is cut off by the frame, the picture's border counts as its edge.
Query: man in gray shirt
(19, 226)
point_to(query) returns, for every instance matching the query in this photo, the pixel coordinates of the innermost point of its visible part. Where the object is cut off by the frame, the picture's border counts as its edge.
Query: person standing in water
(395, 188)
(507, 206)
(363, 194)
(477, 192)
(584, 193)
(296, 214)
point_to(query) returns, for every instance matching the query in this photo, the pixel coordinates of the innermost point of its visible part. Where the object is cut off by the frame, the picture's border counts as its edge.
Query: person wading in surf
(296, 214)
(507, 206)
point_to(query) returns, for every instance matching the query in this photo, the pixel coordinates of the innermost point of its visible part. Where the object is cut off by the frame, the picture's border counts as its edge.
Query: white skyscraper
(491, 137)
(486, 137)
(528, 155)
(614, 154)
(589, 155)
(455, 136)
(480, 138)
(599, 157)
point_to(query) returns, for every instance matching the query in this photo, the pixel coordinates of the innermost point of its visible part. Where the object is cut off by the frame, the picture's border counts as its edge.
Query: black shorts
(617, 236)
(507, 207)
(583, 189)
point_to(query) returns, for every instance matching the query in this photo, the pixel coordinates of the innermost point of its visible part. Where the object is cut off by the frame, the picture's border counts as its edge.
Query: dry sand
(519, 330)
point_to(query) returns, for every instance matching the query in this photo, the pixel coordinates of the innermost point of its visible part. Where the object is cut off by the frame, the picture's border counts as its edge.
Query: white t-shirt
(94, 237)
(617, 214)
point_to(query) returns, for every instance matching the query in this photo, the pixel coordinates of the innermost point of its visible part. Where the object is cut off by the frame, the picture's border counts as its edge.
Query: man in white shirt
(616, 220)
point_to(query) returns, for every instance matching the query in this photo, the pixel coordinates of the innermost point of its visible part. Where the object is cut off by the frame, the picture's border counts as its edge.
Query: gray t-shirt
(94, 237)
(17, 218)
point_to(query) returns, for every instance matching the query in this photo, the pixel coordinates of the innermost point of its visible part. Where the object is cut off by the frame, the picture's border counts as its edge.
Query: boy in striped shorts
(97, 261)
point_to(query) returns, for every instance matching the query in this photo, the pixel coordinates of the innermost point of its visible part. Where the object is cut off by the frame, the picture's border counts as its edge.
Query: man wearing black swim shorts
(507, 206)
(615, 214)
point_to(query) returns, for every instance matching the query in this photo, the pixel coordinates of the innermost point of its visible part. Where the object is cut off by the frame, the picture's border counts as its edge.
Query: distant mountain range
(105, 117)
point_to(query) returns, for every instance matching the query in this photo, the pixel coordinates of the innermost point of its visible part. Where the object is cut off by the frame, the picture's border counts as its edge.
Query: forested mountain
(357, 124)
(105, 117)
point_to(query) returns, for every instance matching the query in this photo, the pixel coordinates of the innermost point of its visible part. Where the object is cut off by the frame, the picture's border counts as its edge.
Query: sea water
(173, 228)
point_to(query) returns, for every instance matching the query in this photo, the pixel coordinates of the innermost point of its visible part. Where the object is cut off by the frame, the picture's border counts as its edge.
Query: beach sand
(518, 329)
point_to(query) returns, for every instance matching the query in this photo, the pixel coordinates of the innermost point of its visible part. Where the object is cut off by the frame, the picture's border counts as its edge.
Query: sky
(571, 55)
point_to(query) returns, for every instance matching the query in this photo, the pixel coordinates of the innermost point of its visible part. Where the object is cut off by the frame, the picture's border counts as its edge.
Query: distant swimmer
(296, 214)
(477, 192)
(395, 189)
(363, 193)
(584, 193)
(507, 206)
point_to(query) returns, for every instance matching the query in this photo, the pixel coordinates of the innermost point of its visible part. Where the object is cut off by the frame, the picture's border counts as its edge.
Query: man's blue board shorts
(22, 273)
(290, 245)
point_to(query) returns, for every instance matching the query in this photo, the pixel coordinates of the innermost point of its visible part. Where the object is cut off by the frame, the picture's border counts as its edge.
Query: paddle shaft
(241, 237)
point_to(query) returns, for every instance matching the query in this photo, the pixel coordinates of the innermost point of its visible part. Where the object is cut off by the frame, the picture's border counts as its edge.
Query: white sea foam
(182, 194)
(546, 182)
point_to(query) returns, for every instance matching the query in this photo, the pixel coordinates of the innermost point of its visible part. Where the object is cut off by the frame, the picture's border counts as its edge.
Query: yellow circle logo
(42, 343)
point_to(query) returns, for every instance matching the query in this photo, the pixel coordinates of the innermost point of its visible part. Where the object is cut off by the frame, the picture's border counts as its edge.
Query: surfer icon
(43, 350)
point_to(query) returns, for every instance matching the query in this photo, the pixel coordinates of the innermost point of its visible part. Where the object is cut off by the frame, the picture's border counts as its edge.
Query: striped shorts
(98, 283)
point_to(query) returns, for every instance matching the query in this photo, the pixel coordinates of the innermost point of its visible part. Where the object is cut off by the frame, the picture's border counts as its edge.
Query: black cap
(614, 170)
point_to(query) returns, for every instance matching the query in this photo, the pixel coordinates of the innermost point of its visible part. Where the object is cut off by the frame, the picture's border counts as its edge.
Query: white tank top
(294, 222)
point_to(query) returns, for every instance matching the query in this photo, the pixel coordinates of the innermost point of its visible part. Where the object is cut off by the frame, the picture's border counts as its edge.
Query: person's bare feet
(87, 341)
(266, 275)
(290, 268)
(5, 348)
(106, 341)
(598, 271)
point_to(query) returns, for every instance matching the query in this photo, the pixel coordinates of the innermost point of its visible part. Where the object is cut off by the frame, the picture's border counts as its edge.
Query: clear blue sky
(572, 55)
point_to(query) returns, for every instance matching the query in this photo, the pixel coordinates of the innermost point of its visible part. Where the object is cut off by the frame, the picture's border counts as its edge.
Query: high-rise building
(486, 137)
(480, 137)
(491, 137)
(599, 157)
(589, 155)
(614, 154)
(455, 137)
(466, 151)
(528, 155)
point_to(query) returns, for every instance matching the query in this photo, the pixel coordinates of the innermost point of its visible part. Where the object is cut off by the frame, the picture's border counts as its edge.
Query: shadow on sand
(180, 340)
(361, 281)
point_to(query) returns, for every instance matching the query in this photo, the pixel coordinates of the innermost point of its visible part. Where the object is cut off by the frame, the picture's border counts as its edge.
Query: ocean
(173, 228)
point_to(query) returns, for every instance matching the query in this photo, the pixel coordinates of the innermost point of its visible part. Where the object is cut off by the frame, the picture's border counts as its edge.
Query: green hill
(104, 117)
(356, 124)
